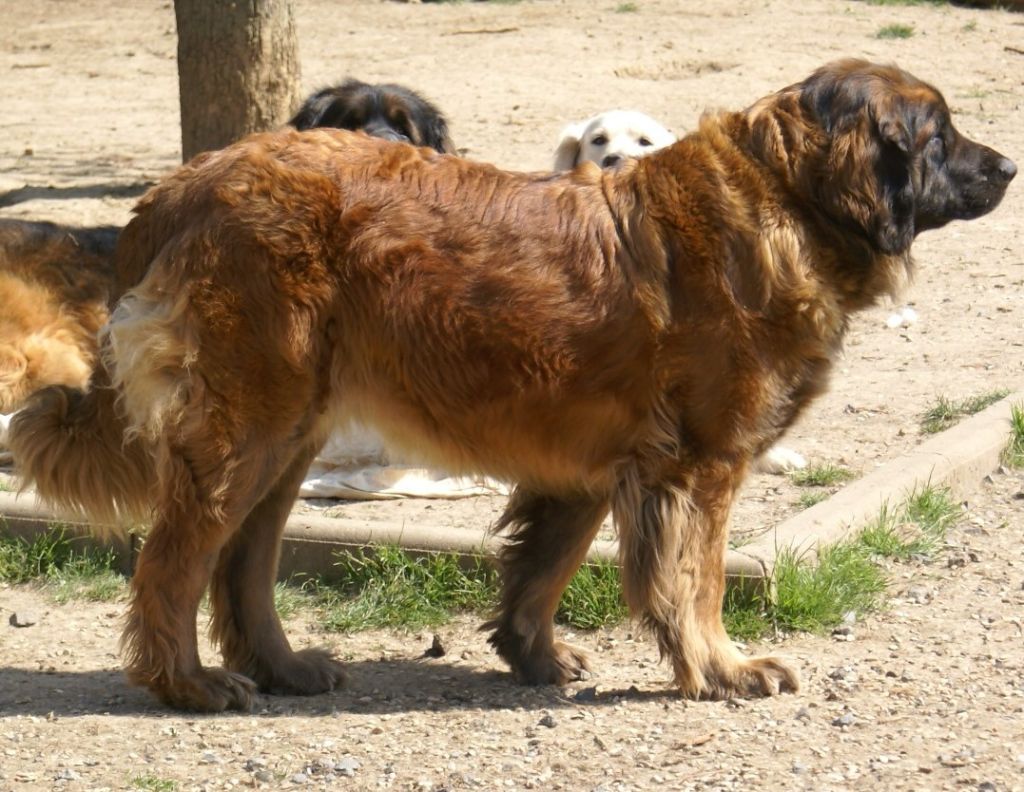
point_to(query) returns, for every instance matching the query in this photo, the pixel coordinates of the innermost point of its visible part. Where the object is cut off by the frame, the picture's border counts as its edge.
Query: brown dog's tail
(72, 447)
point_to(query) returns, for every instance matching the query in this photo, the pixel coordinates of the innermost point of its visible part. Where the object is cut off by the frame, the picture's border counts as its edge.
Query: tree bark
(238, 69)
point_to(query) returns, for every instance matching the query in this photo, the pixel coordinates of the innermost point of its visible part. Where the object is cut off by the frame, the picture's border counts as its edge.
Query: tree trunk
(238, 69)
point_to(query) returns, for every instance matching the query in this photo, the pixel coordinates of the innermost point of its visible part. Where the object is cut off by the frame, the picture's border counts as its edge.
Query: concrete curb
(958, 459)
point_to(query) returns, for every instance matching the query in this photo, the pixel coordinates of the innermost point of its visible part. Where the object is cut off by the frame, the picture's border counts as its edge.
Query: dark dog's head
(876, 148)
(387, 111)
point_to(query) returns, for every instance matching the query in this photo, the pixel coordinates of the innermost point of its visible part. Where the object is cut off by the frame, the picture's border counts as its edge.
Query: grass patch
(815, 597)
(626, 8)
(808, 499)
(152, 783)
(594, 597)
(1013, 455)
(895, 31)
(68, 571)
(845, 577)
(390, 588)
(947, 412)
(824, 475)
(290, 598)
(916, 529)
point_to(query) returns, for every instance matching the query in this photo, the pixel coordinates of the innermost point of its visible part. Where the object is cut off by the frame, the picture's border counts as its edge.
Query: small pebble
(846, 719)
(22, 619)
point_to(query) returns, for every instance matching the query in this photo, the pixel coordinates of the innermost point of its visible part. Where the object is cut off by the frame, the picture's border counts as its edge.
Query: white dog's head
(609, 138)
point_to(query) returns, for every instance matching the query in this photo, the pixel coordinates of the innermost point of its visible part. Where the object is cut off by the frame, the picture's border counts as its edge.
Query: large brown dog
(622, 340)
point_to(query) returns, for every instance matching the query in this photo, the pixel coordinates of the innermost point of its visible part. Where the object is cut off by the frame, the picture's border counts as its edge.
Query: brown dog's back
(456, 306)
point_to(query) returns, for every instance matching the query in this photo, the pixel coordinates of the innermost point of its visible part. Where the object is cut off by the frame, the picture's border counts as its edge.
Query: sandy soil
(89, 92)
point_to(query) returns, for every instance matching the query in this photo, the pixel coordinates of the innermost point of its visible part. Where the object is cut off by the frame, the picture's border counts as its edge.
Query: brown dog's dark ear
(438, 137)
(893, 220)
(870, 143)
(893, 130)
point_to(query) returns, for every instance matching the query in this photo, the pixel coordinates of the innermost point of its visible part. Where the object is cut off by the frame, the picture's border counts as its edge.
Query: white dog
(609, 138)
(606, 140)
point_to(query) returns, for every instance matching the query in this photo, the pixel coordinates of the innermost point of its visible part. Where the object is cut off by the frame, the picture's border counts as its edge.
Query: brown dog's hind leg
(209, 483)
(245, 623)
(548, 541)
(672, 542)
(174, 567)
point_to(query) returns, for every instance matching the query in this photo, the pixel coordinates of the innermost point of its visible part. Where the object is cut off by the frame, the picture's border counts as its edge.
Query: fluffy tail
(72, 446)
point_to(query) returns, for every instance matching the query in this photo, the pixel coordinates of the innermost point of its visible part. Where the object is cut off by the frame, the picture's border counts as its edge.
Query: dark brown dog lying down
(622, 340)
(54, 286)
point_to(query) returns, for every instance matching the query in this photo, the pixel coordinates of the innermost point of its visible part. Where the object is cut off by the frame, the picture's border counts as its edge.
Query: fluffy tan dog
(624, 340)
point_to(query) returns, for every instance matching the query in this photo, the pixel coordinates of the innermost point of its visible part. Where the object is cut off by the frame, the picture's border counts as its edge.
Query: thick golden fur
(55, 283)
(622, 340)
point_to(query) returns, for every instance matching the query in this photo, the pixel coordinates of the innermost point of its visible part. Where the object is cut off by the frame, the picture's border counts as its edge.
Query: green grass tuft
(390, 588)
(68, 571)
(895, 31)
(947, 412)
(844, 578)
(594, 597)
(290, 598)
(152, 783)
(808, 499)
(626, 8)
(814, 597)
(824, 475)
(1013, 455)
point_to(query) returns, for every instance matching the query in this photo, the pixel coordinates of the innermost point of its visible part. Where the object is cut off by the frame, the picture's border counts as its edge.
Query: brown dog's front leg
(673, 536)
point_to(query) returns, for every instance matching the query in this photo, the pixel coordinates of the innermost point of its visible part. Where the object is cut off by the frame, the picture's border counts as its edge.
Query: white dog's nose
(610, 160)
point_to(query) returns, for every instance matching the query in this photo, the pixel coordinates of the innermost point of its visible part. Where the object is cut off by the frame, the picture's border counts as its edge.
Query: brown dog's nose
(1007, 169)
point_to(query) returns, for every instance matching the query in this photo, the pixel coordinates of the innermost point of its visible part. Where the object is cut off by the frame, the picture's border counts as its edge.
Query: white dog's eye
(599, 140)
(645, 142)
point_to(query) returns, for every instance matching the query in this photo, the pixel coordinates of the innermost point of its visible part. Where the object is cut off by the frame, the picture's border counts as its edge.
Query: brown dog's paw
(754, 677)
(562, 665)
(767, 676)
(209, 690)
(305, 673)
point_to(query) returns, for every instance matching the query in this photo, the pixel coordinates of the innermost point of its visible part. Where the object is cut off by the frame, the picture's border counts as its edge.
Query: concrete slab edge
(957, 459)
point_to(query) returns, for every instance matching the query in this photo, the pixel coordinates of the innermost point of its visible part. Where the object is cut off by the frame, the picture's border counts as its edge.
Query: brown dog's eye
(645, 142)
(599, 140)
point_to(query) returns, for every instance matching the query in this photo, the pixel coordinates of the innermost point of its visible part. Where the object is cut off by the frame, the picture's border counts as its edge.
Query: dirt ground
(928, 695)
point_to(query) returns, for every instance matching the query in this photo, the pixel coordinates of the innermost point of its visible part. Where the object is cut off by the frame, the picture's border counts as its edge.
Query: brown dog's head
(876, 148)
